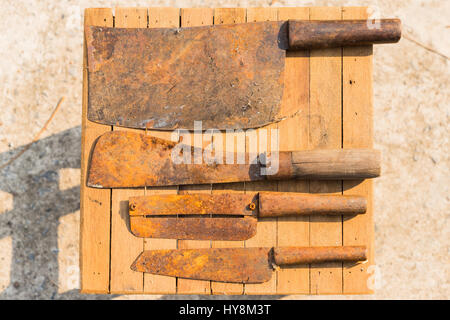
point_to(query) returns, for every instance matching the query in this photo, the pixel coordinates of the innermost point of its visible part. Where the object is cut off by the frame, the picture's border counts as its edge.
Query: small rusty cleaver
(127, 159)
(228, 216)
(239, 265)
(227, 76)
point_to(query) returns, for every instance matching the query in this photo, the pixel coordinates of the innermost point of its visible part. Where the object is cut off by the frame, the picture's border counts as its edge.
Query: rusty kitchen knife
(122, 159)
(227, 76)
(239, 265)
(228, 216)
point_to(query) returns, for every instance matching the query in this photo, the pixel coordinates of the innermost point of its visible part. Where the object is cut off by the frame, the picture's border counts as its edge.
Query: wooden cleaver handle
(338, 164)
(338, 33)
(297, 255)
(280, 204)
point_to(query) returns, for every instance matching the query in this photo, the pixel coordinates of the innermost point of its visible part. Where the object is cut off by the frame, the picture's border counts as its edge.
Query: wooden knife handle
(279, 204)
(338, 33)
(297, 255)
(337, 164)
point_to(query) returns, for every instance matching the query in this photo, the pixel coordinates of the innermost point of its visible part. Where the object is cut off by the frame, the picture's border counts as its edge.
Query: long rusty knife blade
(228, 76)
(241, 265)
(194, 228)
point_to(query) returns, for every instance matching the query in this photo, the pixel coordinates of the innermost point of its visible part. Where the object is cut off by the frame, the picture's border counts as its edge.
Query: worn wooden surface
(325, 124)
(358, 133)
(94, 204)
(332, 91)
(294, 231)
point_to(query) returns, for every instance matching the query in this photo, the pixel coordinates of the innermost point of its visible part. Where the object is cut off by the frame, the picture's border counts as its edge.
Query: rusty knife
(122, 159)
(227, 76)
(239, 265)
(228, 216)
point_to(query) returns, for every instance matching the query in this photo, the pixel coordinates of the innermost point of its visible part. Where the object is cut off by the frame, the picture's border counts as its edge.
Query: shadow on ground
(32, 223)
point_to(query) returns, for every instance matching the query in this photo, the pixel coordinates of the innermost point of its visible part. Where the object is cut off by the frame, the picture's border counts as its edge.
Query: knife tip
(134, 264)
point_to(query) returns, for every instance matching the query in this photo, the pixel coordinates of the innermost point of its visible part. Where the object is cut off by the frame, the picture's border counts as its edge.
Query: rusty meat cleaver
(127, 159)
(228, 76)
(240, 265)
(228, 216)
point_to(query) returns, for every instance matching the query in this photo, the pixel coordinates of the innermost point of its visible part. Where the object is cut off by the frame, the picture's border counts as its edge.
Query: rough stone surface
(41, 61)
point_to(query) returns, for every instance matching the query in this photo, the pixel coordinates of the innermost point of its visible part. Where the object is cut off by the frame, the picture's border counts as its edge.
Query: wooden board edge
(93, 277)
(358, 133)
(89, 291)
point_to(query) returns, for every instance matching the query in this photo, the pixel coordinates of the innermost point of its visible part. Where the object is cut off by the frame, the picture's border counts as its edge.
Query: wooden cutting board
(331, 90)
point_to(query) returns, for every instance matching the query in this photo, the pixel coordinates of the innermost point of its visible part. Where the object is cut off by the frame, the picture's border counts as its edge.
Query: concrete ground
(41, 61)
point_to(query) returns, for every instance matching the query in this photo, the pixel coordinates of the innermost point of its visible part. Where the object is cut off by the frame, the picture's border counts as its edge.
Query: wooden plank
(125, 247)
(95, 203)
(358, 133)
(325, 132)
(226, 142)
(266, 234)
(130, 18)
(294, 133)
(189, 18)
(229, 15)
(164, 17)
(156, 284)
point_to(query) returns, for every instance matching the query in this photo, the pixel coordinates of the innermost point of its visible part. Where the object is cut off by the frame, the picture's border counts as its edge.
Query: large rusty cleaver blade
(227, 76)
(239, 265)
